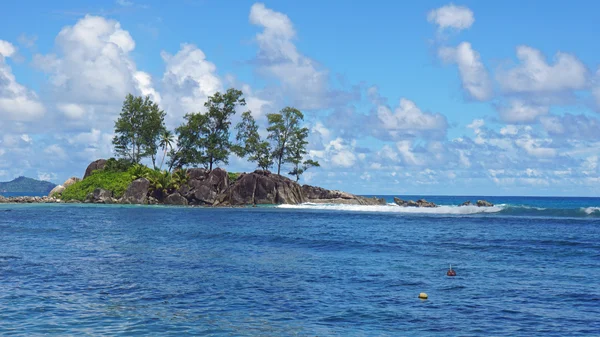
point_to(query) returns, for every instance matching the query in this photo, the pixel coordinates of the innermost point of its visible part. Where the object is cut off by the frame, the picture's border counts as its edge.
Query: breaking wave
(501, 209)
(591, 210)
(393, 208)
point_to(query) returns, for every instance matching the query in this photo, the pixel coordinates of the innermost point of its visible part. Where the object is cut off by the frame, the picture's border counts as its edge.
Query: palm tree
(165, 142)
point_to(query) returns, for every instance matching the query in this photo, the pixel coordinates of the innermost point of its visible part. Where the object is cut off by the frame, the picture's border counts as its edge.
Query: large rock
(137, 192)
(411, 203)
(175, 199)
(483, 203)
(316, 194)
(261, 187)
(70, 181)
(197, 173)
(93, 166)
(203, 186)
(466, 203)
(58, 189)
(100, 196)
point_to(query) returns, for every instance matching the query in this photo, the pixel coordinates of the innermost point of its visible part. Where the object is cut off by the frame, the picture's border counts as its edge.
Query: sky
(427, 98)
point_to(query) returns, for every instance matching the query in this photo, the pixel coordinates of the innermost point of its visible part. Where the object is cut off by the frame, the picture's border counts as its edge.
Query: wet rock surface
(411, 203)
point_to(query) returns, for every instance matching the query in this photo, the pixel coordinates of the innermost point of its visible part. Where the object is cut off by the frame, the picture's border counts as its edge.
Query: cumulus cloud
(535, 74)
(519, 111)
(93, 71)
(188, 80)
(572, 127)
(338, 153)
(301, 79)
(407, 120)
(17, 103)
(451, 16)
(6, 49)
(536, 147)
(474, 76)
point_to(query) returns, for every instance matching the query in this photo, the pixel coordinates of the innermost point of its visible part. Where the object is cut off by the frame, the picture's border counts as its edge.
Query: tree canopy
(138, 128)
(204, 139)
(250, 144)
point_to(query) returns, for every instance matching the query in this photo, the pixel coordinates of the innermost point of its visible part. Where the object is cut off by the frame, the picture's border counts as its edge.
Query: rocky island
(200, 187)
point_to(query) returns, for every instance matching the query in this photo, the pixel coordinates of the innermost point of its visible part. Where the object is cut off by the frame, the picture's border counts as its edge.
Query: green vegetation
(138, 129)
(289, 140)
(250, 144)
(116, 182)
(233, 176)
(204, 138)
(163, 182)
(29, 185)
(117, 165)
(296, 152)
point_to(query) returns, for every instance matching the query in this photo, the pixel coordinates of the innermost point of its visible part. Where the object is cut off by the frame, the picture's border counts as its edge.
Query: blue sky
(402, 98)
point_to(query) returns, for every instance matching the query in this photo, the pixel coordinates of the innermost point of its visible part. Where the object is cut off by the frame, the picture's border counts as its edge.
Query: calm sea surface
(528, 266)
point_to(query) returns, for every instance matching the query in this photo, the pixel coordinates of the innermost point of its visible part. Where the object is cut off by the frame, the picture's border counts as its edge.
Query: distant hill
(24, 184)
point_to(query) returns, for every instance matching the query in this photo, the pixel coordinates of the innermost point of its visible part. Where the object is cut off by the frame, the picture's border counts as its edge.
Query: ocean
(526, 267)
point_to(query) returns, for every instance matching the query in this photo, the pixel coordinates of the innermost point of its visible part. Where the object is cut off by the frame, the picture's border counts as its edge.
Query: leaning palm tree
(165, 142)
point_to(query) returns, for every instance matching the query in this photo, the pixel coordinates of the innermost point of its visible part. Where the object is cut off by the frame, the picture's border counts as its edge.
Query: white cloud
(408, 157)
(94, 71)
(408, 119)
(45, 176)
(534, 74)
(534, 147)
(451, 16)
(7, 49)
(510, 130)
(17, 103)
(477, 126)
(188, 81)
(519, 111)
(474, 76)
(72, 110)
(278, 57)
(324, 133)
(55, 151)
(337, 153)
(144, 84)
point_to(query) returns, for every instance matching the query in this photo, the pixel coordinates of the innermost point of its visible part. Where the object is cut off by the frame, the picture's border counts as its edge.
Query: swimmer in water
(451, 272)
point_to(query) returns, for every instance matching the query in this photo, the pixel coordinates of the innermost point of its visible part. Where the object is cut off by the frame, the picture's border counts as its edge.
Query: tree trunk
(163, 158)
(279, 166)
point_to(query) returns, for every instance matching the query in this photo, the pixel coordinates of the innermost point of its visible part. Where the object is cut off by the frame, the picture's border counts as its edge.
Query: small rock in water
(483, 203)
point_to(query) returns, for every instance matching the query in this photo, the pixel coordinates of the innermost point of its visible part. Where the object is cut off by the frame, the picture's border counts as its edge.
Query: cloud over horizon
(527, 122)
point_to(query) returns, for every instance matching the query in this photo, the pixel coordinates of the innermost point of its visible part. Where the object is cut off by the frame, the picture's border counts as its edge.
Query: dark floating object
(451, 272)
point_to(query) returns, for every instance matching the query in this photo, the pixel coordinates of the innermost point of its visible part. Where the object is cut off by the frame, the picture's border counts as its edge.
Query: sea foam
(591, 210)
(393, 208)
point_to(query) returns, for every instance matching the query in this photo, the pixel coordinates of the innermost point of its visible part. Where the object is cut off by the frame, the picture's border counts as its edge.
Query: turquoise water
(527, 267)
(22, 194)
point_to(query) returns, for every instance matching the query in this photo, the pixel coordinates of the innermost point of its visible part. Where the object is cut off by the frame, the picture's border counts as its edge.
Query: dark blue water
(134, 270)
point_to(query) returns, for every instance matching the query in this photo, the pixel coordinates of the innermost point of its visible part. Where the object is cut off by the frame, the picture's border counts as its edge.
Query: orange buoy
(423, 296)
(451, 272)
